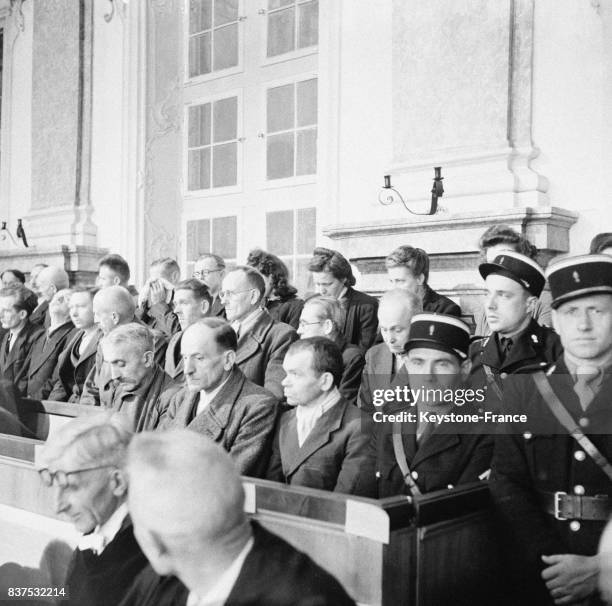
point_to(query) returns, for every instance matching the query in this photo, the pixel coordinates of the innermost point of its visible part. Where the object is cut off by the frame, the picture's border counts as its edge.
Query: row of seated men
(324, 442)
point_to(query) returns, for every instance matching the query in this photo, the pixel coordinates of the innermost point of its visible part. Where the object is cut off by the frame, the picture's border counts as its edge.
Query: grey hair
(405, 297)
(329, 309)
(137, 335)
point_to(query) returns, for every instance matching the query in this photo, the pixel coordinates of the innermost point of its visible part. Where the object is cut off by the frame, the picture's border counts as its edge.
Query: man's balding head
(51, 280)
(113, 306)
(395, 310)
(186, 501)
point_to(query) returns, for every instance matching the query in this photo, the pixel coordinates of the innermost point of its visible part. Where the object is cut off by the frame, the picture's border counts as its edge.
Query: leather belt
(565, 506)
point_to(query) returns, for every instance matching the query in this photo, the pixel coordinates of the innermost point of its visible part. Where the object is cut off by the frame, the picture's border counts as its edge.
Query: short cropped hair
(272, 267)
(18, 274)
(253, 277)
(223, 333)
(92, 291)
(219, 260)
(198, 289)
(23, 298)
(504, 234)
(600, 242)
(326, 259)
(137, 335)
(329, 309)
(117, 264)
(168, 265)
(415, 259)
(326, 356)
(404, 297)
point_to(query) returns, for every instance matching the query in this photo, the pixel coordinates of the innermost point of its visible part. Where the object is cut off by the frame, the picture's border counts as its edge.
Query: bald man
(187, 504)
(113, 306)
(49, 281)
(384, 367)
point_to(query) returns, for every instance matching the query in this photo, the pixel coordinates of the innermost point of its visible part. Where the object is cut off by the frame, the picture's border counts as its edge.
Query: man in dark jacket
(551, 479)
(83, 462)
(188, 511)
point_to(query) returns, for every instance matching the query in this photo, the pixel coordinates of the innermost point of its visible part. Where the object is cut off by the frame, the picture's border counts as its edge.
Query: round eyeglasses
(61, 477)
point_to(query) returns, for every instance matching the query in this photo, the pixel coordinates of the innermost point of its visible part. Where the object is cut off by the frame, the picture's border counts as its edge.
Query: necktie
(584, 387)
(8, 343)
(506, 345)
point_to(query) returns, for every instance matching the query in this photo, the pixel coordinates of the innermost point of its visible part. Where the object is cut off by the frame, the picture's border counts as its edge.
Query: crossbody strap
(400, 457)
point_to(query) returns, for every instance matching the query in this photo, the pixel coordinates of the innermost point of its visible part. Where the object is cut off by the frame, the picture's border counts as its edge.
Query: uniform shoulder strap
(402, 461)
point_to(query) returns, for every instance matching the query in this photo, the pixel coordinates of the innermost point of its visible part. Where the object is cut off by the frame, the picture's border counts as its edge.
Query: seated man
(218, 400)
(191, 303)
(155, 299)
(423, 454)
(384, 363)
(210, 270)
(187, 503)
(323, 441)
(262, 341)
(79, 355)
(49, 345)
(408, 268)
(84, 460)
(137, 382)
(48, 281)
(322, 317)
(513, 284)
(16, 305)
(114, 270)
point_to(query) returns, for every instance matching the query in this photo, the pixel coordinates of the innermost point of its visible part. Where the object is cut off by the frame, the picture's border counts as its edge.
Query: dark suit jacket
(274, 573)
(379, 374)
(40, 316)
(334, 456)
(69, 379)
(15, 365)
(361, 322)
(454, 453)
(261, 351)
(434, 302)
(286, 310)
(45, 354)
(539, 456)
(353, 360)
(173, 363)
(240, 417)
(216, 309)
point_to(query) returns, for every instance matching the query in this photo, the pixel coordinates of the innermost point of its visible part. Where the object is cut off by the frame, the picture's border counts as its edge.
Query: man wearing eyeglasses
(210, 269)
(262, 341)
(83, 463)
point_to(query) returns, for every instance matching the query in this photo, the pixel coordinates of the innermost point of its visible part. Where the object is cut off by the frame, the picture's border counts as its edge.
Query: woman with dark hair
(333, 277)
(281, 299)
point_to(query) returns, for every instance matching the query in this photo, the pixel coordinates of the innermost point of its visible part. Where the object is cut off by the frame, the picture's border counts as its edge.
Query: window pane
(224, 237)
(199, 125)
(280, 108)
(199, 55)
(308, 24)
(226, 47)
(225, 164)
(306, 152)
(198, 238)
(279, 231)
(225, 11)
(199, 15)
(307, 102)
(198, 176)
(306, 230)
(281, 32)
(225, 122)
(303, 278)
(280, 156)
(272, 4)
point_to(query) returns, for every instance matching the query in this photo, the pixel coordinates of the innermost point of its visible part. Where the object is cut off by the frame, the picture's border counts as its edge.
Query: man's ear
(555, 320)
(530, 304)
(118, 483)
(229, 359)
(328, 326)
(205, 307)
(466, 366)
(420, 279)
(23, 314)
(148, 358)
(115, 318)
(256, 296)
(116, 280)
(326, 381)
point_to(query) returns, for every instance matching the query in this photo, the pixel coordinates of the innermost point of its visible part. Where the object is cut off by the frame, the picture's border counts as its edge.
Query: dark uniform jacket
(334, 456)
(454, 453)
(173, 363)
(353, 361)
(40, 316)
(240, 418)
(540, 456)
(287, 310)
(434, 302)
(15, 365)
(159, 317)
(380, 373)
(274, 573)
(45, 354)
(361, 321)
(261, 351)
(72, 369)
(535, 346)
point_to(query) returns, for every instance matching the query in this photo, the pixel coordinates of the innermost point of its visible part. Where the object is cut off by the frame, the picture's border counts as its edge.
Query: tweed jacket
(361, 321)
(261, 351)
(240, 417)
(45, 354)
(15, 365)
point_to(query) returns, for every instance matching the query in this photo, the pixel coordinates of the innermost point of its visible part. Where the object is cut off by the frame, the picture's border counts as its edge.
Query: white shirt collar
(308, 414)
(217, 595)
(206, 397)
(244, 325)
(104, 533)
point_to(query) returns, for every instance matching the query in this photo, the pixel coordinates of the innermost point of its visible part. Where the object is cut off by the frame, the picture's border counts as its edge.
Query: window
(291, 130)
(292, 25)
(291, 235)
(218, 235)
(212, 146)
(213, 36)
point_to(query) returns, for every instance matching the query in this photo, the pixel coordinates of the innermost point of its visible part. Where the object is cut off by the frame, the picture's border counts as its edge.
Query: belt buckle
(558, 496)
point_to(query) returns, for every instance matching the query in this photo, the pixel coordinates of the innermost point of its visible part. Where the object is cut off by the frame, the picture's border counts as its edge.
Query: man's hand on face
(570, 578)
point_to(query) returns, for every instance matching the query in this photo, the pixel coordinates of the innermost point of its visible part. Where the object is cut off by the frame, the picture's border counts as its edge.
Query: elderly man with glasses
(210, 270)
(83, 463)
